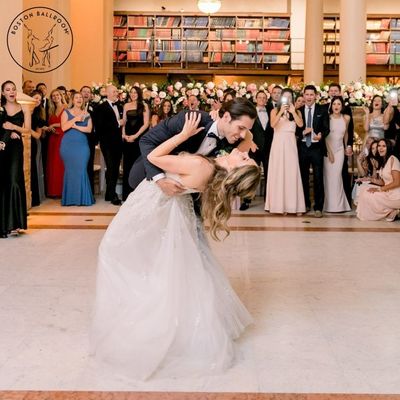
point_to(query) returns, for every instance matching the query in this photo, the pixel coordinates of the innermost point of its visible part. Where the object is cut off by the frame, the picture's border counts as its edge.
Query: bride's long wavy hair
(222, 188)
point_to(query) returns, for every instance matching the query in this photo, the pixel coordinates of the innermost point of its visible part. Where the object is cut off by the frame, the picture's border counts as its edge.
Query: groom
(236, 118)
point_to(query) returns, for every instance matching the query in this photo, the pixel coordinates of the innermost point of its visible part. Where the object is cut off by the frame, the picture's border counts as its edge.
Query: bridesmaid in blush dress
(336, 142)
(76, 124)
(284, 186)
(54, 164)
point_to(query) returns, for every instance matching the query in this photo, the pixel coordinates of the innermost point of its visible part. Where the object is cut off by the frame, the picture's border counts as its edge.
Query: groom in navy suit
(236, 118)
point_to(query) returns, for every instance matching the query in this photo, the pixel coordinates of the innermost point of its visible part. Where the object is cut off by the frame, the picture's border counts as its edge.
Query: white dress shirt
(116, 112)
(313, 134)
(262, 116)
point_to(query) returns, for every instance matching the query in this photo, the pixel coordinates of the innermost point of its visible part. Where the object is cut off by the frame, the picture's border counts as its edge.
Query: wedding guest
(382, 201)
(273, 101)
(334, 91)
(63, 90)
(108, 123)
(54, 163)
(299, 101)
(367, 166)
(28, 87)
(373, 119)
(284, 187)
(76, 124)
(37, 175)
(262, 137)
(42, 88)
(312, 147)
(336, 142)
(193, 103)
(16, 122)
(165, 111)
(136, 115)
(86, 93)
(392, 119)
(367, 162)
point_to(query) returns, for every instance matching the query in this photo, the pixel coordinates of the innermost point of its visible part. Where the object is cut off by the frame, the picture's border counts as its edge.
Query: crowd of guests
(293, 135)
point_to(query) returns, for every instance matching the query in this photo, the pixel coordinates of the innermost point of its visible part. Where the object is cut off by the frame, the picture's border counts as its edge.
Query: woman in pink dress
(54, 163)
(382, 200)
(284, 187)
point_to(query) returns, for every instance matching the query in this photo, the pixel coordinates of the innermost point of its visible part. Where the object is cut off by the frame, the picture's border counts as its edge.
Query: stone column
(313, 56)
(353, 24)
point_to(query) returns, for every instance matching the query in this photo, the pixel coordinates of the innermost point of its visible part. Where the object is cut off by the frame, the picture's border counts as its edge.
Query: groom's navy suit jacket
(159, 134)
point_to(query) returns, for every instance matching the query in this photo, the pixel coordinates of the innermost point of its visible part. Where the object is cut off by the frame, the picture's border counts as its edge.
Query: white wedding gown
(163, 306)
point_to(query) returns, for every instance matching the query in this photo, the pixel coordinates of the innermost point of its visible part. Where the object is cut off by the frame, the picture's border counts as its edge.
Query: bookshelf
(382, 42)
(189, 41)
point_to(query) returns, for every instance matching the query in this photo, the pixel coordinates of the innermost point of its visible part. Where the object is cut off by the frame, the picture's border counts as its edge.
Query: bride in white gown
(164, 306)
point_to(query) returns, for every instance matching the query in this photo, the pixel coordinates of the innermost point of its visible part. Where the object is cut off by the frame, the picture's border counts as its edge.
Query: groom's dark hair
(238, 107)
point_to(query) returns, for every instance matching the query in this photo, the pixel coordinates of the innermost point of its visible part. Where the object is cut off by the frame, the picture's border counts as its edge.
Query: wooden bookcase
(189, 41)
(382, 42)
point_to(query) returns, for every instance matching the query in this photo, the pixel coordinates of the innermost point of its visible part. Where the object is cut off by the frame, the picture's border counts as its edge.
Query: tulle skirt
(164, 306)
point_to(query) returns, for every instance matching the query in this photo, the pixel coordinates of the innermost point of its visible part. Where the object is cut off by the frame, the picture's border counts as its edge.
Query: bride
(164, 307)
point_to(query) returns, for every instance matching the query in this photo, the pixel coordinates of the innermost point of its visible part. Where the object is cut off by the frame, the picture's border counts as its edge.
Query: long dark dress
(12, 194)
(74, 151)
(130, 151)
(36, 161)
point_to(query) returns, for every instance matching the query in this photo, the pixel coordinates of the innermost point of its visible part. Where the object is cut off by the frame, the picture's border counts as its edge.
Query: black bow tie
(213, 135)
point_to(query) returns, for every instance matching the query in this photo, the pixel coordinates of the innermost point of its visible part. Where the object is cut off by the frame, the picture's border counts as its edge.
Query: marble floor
(325, 295)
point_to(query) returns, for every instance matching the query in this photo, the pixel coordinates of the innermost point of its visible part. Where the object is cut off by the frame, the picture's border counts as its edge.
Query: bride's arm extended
(161, 156)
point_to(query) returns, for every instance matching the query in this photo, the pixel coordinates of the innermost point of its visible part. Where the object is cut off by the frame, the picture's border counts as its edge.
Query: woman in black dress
(137, 119)
(15, 122)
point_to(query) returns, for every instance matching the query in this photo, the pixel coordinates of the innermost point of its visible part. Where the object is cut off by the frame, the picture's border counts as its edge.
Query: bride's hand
(192, 121)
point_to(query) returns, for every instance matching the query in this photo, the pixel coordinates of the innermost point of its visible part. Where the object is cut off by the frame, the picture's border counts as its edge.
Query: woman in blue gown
(74, 150)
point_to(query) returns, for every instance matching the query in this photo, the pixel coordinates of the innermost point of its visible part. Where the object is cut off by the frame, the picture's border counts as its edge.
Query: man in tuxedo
(262, 137)
(86, 93)
(333, 91)
(312, 147)
(273, 101)
(236, 118)
(108, 123)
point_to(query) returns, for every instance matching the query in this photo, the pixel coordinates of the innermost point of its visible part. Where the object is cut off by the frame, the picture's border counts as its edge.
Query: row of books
(394, 59)
(168, 45)
(278, 47)
(168, 33)
(123, 45)
(377, 59)
(382, 35)
(383, 23)
(195, 34)
(168, 21)
(252, 34)
(226, 22)
(140, 20)
(395, 23)
(195, 21)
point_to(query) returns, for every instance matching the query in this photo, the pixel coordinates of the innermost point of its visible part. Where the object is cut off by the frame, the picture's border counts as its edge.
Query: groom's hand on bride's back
(170, 187)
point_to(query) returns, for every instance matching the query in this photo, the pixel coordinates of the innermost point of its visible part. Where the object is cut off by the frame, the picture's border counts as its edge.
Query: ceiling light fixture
(209, 6)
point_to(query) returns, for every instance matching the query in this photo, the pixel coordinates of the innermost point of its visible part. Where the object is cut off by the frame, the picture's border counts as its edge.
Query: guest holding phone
(284, 187)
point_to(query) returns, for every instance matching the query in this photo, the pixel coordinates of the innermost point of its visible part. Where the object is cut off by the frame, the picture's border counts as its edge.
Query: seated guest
(76, 124)
(383, 200)
(367, 166)
(367, 162)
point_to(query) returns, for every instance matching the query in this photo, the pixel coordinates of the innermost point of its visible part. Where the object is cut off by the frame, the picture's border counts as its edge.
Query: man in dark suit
(274, 99)
(236, 118)
(333, 91)
(312, 147)
(262, 137)
(108, 123)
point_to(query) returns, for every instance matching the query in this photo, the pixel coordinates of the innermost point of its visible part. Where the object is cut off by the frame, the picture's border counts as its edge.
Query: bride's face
(239, 159)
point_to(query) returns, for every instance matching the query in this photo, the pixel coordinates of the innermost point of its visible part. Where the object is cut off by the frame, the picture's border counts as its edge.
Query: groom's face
(235, 129)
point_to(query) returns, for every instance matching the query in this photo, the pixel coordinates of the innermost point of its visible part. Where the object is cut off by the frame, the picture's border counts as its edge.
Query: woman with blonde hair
(76, 124)
(162, 298)
(54, 163)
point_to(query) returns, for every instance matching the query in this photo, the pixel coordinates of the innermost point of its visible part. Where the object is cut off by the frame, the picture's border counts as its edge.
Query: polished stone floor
(325, 295)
